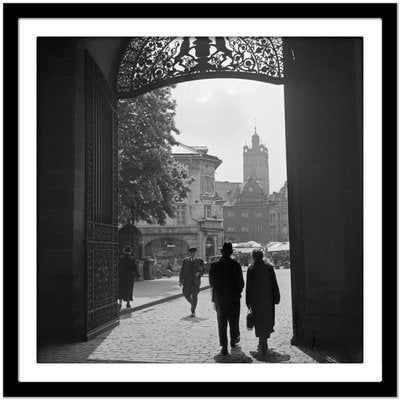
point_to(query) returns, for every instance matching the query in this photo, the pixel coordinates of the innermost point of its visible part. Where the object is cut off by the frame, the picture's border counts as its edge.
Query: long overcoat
(127, 270)
(262, 293)
(187, 275)
(226, 279)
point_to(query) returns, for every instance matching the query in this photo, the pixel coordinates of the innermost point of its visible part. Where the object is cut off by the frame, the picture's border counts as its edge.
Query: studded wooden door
(100, 201)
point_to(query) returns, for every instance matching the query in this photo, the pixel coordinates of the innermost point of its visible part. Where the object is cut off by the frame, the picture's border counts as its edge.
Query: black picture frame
(12, 12)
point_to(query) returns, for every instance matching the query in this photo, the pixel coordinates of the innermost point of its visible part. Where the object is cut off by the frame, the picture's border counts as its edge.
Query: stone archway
(323, 109)
(168, 246)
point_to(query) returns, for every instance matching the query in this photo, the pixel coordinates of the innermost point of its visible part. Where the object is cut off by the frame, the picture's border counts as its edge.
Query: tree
(150, 182)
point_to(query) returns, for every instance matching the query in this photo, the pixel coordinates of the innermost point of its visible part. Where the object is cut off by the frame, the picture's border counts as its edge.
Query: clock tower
(255, 162)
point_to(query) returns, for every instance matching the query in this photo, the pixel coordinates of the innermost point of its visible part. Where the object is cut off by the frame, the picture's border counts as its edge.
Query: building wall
(257, 227)
(247, 217)
(323, 108)
(279, 218)
(200, 206)
(61, 177)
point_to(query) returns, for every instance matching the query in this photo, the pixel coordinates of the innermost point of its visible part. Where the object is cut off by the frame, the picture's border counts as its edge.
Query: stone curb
(153, 303)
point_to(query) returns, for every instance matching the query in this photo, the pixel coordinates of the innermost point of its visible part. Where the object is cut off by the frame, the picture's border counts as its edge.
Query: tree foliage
(150, 180)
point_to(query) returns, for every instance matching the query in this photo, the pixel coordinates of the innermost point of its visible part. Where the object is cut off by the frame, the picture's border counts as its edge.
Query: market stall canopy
(278, 246)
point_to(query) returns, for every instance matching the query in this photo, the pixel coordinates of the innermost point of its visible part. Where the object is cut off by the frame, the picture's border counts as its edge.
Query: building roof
(181, 148)
(184, 151)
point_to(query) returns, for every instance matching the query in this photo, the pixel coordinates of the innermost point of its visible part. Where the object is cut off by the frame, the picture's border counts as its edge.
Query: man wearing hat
(226, 279)
(190, 278)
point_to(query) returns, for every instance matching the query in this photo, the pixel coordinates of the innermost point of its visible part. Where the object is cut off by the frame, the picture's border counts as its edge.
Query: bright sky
(221, 114)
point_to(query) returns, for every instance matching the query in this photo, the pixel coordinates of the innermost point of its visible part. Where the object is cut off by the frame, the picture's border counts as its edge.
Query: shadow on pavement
(153, 288)
(236, 355)
(271, 357)
(193, 319)
(70, 352)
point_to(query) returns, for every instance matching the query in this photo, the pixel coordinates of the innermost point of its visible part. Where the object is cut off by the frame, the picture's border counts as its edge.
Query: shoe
(128, 306)
(192, 315)
(224, 350)
(235, 342)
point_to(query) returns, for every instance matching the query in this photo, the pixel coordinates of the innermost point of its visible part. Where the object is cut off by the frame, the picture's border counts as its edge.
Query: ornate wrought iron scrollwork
(149, 61)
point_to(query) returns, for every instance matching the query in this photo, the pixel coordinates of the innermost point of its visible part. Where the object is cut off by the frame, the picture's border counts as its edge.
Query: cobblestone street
(165, 333)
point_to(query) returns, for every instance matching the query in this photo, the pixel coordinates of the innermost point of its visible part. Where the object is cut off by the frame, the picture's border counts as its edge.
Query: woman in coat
(262, 293)
(127, 271)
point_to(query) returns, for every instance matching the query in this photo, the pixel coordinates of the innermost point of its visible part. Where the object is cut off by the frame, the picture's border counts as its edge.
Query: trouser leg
(194, 302)
(222, 325)
(188, 297)
(234, 315)
(263, 344)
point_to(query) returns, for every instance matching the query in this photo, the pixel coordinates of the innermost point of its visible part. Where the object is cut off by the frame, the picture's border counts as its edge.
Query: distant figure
(190, 278)
(262, 293)
(127, 271)
(226, 279)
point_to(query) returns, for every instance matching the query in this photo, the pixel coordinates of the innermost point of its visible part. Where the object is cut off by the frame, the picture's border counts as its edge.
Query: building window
(245, 228)
(230, 214)
(259, 228)
(231, 228)
(207, 211)
(273, 217)
(245, 213)
(181, 214)
(258, 214)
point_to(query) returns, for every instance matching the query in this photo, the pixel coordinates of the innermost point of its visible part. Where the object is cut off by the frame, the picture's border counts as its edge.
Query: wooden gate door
(100, 202)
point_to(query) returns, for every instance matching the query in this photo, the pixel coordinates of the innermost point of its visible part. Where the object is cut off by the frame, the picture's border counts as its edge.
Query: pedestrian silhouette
(190, 278)
(262, 293)
(127, 271)
(226, 280)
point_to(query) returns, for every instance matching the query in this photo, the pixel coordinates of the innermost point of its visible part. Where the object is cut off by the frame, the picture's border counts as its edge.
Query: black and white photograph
(201, 202)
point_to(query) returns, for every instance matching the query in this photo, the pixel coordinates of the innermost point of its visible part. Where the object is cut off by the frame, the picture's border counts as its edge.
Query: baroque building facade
(278, 212)
(246, 214)
(275, 210)
(199, 218)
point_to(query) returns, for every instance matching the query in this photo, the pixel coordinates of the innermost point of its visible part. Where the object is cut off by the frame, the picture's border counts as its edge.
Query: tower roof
(255, 134)
(255, 139)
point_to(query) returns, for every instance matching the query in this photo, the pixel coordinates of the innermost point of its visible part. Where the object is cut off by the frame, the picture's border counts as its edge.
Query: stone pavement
(165, 333)
(150, 292)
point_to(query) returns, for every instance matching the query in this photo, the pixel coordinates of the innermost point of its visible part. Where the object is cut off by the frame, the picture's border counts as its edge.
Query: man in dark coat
(190, 278)
(262, 293)
(226, 279)
(127, 270)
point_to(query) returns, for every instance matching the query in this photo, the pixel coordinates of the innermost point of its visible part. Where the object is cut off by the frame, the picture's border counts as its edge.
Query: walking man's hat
(227, 246)
(192, 249)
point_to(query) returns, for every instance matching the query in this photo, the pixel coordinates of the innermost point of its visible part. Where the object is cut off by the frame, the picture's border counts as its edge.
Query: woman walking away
(127, 270)
(262, 293)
